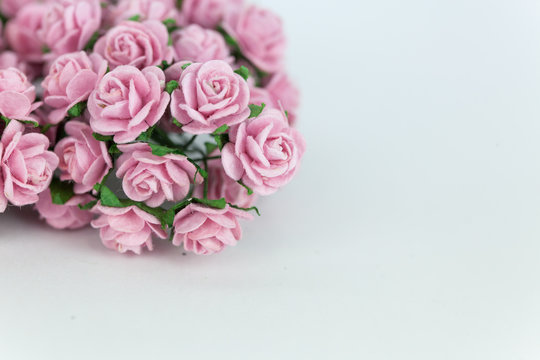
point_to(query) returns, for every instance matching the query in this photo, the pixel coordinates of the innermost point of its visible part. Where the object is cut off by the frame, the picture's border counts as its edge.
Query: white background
(411, 232)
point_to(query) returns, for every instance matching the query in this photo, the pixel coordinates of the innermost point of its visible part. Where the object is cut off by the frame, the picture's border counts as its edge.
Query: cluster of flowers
(145, 118)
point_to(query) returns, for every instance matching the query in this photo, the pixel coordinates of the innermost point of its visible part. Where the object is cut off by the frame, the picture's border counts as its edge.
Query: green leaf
(228, 38)
(217, 204)
(90, 44)
(161, 150)
(169, 22)
(46, 128)
(88, 206)
(61, 191)
(256, 110)
(177, 123)
(77, 109)
(29, 122)
(108, 198)
(103, 138)
(179, 3)
(210, 147)
(164, 65)
(200, 170)
(114, 150)
(45, 49)
(6, 120)
(171, 86)
(221, 140)
(253, 208)
(185, 66)
(145, 136)
(158, 213)
(249, 190)
(220, 130)
(243, 72)
(135, 18)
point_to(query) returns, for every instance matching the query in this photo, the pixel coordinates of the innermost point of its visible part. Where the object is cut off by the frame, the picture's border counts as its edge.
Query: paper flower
(136, 44)
(127, 101)
(196, 44)
(66, 216)
(126, 229)
(205, 231)
(264, 152)
(260, 35)
(26, 164)
(211, 95)
(154, 179)
(167, 118)
(71, 79)
(83, 159)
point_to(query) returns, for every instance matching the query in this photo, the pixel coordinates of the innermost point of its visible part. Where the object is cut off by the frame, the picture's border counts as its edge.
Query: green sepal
(88, 206)
(103, 138)
(171, 86)
(220, 130)
(243, 72)
(210, 147)
(77, 109)
(90, 44)
(108, 198)
(61, 191)
(136, 17)
(145, 136)
(177, 123)
(161, 150)
(113, 150)
(253, 208)
(221, 140)
(185, 66)
(217, 204)
(256, 110)
(249, 190)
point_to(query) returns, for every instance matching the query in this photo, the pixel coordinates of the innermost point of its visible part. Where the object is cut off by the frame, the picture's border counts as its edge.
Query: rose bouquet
(145, 118)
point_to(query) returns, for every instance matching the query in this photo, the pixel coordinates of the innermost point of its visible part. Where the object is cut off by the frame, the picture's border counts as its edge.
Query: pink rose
(27, 166)
(127, 101)
(260, 35)
(127, 229)
(22, 30)
(68, 25)
(145, 9)
(67, 216)
(71, 79)
(83, 159)
(264, 152)
(280, 93)
(151, 178)
(210, 95)
(197, 44)
(11, 59)
(207, 13)
(11, 7)
(17, 95)
(207, 231)
(136, 44)
(222, 186)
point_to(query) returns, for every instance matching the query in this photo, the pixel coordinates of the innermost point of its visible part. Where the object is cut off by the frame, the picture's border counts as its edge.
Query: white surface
(412, 231)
